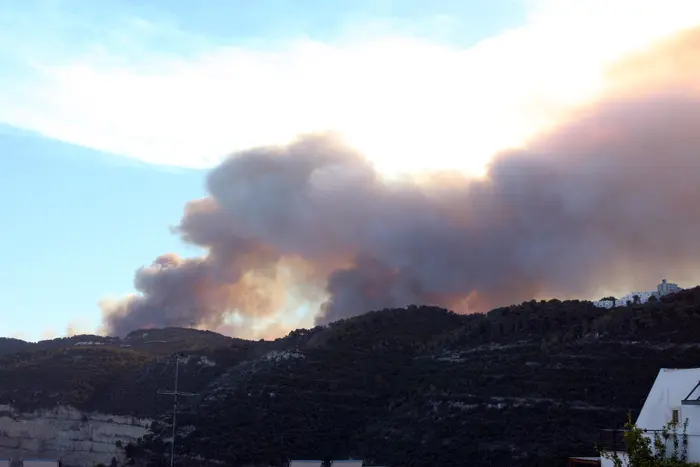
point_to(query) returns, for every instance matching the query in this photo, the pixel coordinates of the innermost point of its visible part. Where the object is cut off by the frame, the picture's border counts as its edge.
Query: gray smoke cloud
(608, 198)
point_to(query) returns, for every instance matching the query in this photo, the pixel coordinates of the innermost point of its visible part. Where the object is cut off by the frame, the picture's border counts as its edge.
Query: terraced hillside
(522, 385)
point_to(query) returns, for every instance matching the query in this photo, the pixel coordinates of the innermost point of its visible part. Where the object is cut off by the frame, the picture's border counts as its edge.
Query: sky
(111, 112)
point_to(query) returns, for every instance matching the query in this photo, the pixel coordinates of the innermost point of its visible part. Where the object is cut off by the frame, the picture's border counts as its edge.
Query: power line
(175, 393)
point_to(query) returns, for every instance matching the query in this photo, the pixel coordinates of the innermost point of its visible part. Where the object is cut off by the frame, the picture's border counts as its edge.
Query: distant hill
(523, 385)
(10, 345)
(151, 341)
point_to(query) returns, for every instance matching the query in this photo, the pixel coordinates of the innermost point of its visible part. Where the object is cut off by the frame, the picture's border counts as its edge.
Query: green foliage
(652, 450)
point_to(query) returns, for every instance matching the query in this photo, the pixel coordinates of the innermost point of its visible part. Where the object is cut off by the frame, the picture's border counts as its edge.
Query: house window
(675, 416)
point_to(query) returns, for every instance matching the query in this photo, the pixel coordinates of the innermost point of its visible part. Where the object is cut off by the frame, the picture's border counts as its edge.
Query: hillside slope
(523, 385)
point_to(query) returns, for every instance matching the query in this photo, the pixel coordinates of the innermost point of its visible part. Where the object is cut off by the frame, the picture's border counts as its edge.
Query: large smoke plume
(609, 198)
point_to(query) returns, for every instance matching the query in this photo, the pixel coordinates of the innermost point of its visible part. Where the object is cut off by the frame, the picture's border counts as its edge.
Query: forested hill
(672, 319)
(522, 385)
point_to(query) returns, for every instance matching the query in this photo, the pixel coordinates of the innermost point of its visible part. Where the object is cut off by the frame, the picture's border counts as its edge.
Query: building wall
(622, 301)
(664, 288)
(670, 388)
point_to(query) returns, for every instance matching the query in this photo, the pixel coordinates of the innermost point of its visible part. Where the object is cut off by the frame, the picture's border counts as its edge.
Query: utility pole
(175, 393)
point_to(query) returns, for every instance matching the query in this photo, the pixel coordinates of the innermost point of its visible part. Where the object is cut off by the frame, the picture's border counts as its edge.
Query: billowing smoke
(609, 198)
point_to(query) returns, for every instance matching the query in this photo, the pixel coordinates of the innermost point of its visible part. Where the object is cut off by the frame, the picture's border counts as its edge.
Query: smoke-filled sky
(555, 156)
(608, 195)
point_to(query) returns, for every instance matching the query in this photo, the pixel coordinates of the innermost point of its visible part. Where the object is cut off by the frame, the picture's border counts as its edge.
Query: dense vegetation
(522, 385)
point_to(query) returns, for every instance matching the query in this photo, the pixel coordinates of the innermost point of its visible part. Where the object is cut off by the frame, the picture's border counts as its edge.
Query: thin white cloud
(392, 96)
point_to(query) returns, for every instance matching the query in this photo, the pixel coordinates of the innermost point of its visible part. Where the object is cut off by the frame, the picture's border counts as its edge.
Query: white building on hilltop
(674, 397)
(664, 288)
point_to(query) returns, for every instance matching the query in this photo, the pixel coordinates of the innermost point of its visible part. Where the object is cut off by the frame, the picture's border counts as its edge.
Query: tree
(644, 450)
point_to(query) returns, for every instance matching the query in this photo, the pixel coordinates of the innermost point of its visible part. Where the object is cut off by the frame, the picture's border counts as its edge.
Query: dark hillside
(522, 385)
(67, 376)
(10, 345)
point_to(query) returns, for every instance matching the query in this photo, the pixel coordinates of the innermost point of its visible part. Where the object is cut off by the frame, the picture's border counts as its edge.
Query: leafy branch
(645, 450)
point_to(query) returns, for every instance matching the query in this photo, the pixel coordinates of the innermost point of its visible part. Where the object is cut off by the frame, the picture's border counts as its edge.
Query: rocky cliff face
(78, 438)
